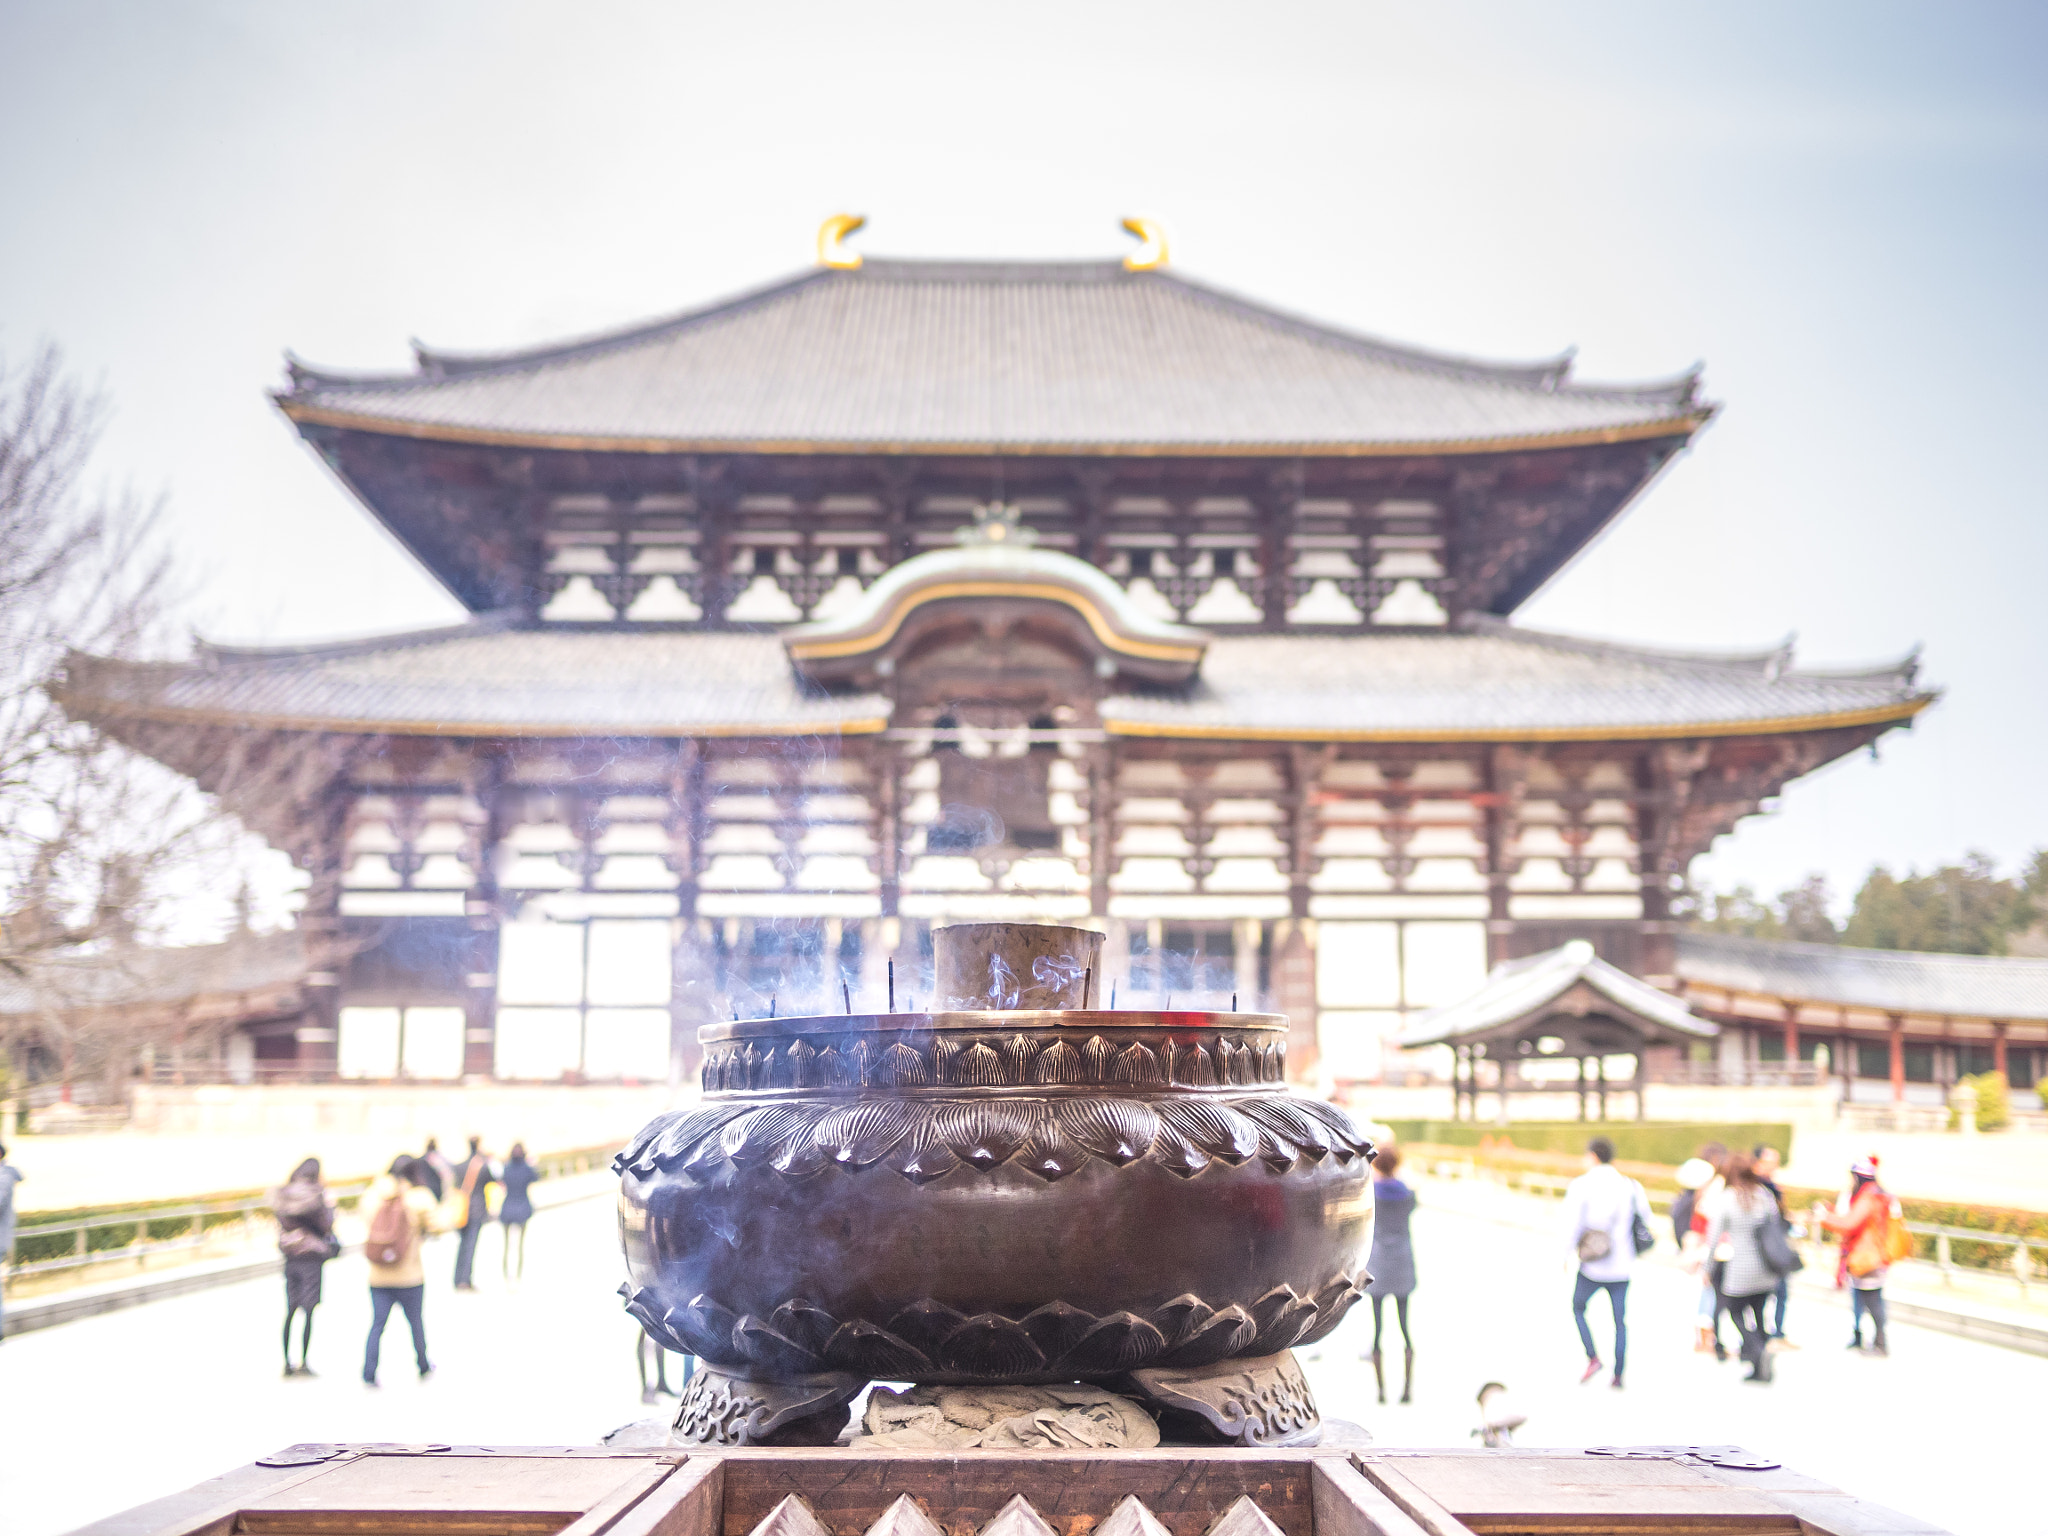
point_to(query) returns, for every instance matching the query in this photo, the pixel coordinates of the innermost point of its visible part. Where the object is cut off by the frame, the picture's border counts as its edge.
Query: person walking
(402, 1213)
(9, 1177)
(1869, 1245)
(1713, 1154)
(1605, 1213)
(1735, 1250)
(305, 1236)
(518, 1177)
(470, 1210)
(1392, 1265)
(1767, 1162)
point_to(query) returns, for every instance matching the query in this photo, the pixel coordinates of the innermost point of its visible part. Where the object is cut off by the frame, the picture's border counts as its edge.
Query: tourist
(305, 1236)
(1392, 1265)
(9, 1177)
(1767, 1163)
(1735, 1253)
(469, 1210)
(1869, 1245)
(1604, 1212)
(1713, 1154)
(402, 1213)
(435, 1173)
(518, 1177)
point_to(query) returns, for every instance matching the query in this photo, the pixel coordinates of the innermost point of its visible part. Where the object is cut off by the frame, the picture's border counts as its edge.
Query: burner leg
(1259, 1402)
(722, 1407)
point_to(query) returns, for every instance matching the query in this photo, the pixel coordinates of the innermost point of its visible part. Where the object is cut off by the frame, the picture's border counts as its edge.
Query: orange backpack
(1898, 1242)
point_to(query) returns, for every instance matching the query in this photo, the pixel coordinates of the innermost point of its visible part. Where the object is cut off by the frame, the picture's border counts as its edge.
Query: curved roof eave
(305, 414)
(1884, 714)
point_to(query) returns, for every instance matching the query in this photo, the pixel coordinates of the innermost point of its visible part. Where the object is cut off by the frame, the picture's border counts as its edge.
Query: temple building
(899, 592)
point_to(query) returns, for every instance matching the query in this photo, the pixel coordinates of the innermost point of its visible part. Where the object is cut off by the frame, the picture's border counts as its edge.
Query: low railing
(196, 1226)
(1956, 1249)
(2020, 1264)
(46, 1247)
(1742, 1074)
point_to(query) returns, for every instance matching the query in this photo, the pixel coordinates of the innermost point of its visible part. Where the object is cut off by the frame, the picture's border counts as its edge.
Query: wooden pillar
(1294, 994)
(317, 1041)
(1898, 1058)
(1102, 766)
(1791, 1011)
(1600, 1083)
(1641, 1083)
(1582, 1087)
(1998, 1048)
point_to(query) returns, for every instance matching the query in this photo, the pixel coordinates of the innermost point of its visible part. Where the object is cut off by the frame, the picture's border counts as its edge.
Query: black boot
(1379, 1374)
(1408, 1375)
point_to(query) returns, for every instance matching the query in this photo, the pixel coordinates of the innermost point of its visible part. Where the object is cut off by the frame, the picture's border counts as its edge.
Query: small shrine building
(902, 592)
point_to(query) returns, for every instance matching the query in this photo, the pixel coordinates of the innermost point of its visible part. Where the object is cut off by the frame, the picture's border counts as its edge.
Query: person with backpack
(469, 1210)
(402, 1213)
(305, 1236)
(1748, 1255)
(1874, 1237)
(1607, 1219)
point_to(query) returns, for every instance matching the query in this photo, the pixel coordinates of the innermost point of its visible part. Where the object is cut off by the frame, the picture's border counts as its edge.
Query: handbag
(1593, 1245)
(1774, 1241)
(1640, 1234)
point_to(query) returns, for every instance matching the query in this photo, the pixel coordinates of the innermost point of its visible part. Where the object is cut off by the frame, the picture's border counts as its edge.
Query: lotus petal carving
(931, 1339)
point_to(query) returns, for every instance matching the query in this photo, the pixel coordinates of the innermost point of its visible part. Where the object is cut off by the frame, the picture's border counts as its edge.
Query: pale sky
(1840, 208)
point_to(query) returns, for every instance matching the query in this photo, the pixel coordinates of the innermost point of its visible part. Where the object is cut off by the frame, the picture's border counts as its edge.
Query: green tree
(1959, 909)
(1803, 912)
(1737, 912)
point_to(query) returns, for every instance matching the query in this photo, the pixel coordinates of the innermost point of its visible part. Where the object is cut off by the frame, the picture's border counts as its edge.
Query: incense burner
(991, 1195)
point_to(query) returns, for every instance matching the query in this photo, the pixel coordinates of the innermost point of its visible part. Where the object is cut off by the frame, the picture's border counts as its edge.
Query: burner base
(1264, 1401)
(721, 1407)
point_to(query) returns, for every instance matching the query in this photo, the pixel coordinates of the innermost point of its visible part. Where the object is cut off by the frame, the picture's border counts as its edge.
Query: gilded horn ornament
(832, 234)
(1151, 252)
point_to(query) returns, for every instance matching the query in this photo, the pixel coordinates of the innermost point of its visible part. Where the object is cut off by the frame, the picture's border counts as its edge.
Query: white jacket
(1603, 1199)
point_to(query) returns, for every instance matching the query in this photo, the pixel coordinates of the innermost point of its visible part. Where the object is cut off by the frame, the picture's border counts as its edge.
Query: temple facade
(902, 592)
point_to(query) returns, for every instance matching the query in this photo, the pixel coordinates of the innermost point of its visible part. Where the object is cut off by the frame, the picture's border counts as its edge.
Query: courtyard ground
(107, 1412)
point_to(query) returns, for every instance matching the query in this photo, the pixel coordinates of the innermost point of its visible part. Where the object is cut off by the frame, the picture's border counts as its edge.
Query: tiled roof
(1889, 980)
(1515, 990)
(1490, 680)
(937, 356)
(1487, 682)
(142, 975)
(485, 679)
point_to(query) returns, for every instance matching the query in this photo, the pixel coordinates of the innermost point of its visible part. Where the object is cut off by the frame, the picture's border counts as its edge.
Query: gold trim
(350, 727)
(569, 442)
(1881, 714)
(1151, 252)
(917, 597)
(832, 251)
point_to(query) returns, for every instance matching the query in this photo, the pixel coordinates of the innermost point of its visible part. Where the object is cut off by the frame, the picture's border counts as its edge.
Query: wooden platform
(439, 1490)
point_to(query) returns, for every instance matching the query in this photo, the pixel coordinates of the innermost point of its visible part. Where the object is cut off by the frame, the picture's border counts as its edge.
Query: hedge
(1634, 1141)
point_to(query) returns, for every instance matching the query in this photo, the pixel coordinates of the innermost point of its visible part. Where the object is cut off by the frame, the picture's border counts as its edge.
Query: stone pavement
(166, 1394)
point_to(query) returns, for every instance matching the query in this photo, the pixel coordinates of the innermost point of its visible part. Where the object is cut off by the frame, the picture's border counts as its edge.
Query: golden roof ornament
(1151, 252)
(832, 251)
(997, 522)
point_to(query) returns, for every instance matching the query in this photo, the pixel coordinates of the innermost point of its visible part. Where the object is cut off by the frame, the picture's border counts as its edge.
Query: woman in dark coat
(1392, 1264)
(519, 1177)
(305, 1221)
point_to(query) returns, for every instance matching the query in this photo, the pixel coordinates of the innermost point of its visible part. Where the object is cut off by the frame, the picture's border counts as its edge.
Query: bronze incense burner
(994, 1194)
